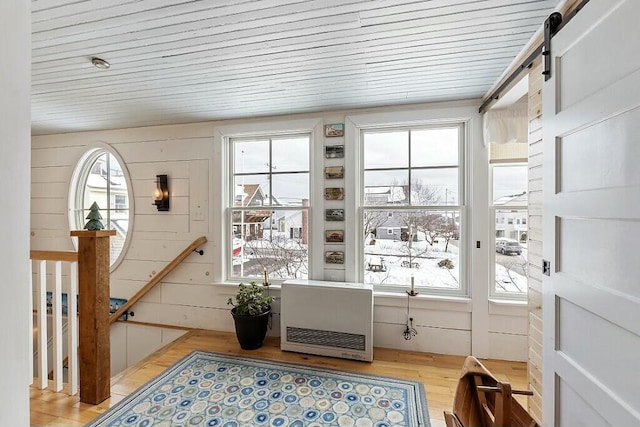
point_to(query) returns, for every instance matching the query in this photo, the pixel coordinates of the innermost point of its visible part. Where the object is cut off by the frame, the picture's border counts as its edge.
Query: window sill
(424, 301)
(508, 302)
(387, 299)
(507, 307)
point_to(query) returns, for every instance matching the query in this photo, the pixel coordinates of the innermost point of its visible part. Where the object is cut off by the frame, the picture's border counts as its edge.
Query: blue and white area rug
(215, 390)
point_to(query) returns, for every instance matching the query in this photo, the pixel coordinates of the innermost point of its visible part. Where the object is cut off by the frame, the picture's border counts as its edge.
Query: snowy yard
(511, 272)
(421, 261)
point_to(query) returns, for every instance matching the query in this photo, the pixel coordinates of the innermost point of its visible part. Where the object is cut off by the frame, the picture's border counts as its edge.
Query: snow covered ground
(422, 264)
(510, 272)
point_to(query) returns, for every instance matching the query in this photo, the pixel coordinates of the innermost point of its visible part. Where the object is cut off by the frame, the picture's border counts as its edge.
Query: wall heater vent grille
(327, 318)
(326, 338)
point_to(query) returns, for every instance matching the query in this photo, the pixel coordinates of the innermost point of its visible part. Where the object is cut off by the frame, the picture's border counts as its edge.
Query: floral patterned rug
(210, 389)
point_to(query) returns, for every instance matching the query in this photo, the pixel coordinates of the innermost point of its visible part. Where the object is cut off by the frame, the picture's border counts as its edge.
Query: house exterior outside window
(120, 202)
(412, 202)
(269, 206)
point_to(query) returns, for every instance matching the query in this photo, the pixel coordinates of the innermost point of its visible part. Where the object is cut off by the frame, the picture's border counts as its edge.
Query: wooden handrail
(157, 278)
(68, 256)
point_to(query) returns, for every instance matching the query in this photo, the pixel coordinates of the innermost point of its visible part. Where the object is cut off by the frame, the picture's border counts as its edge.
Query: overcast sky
(509, 180)
(429, 147)
(287, 155)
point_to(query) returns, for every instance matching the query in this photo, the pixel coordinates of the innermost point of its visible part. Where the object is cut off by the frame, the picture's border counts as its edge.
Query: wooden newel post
(94, 350)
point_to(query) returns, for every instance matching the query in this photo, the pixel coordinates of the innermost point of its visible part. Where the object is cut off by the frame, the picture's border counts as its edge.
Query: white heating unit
(327, 318)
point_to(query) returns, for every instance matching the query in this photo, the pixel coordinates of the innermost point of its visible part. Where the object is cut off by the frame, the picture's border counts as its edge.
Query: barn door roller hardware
(554, 23)
(551, 27)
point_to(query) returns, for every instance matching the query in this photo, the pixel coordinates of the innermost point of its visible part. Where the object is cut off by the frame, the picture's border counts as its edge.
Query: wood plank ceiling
(177, 61)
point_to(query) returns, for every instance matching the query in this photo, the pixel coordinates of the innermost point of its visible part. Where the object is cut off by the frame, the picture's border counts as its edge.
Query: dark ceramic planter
(251, 330)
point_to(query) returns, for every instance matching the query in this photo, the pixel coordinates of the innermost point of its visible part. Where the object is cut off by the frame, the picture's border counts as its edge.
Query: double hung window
(412, 199)
(269, 207)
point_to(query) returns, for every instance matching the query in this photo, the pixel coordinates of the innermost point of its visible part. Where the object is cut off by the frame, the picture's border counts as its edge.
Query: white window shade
(508, 125)
(511, 152)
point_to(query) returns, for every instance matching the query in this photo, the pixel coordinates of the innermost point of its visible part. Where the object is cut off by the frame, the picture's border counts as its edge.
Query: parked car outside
(508, 247)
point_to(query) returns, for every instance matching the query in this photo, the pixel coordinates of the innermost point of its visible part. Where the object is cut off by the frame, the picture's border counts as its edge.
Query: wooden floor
(438, 373)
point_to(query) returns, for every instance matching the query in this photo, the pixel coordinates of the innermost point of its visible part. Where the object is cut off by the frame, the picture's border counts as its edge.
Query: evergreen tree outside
(94, 218)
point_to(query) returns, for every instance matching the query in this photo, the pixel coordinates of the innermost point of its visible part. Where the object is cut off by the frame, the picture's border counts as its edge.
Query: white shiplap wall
(534, 366)
(189, 297)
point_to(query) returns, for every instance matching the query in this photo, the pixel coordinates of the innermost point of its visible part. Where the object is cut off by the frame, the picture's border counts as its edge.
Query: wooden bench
(483, 401)
(376, 263)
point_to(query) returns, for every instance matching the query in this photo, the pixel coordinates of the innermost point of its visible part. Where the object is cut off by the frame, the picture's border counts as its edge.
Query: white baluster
(72, 329)
(57, 328)
(31, 335)
(43, 373)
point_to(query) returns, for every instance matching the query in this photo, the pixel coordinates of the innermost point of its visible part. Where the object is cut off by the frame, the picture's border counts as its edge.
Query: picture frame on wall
(334, 172)
(334, 214)
(334, 193)
(334, 257)
(334, 130)
(334, 236)
(334, 152)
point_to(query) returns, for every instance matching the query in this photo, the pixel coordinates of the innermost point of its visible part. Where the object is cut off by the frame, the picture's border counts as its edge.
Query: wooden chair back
(483, 401)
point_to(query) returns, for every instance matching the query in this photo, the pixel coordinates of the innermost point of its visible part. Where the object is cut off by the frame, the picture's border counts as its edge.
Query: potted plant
(251, 311)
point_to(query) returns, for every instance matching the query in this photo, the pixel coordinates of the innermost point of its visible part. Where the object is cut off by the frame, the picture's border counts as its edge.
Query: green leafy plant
(251, 300)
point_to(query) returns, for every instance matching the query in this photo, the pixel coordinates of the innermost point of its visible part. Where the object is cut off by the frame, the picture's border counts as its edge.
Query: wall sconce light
(161, 193)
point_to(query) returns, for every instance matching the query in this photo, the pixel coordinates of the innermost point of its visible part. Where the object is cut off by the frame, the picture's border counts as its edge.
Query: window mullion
(270, 172)
(108, 191)
(409, 166)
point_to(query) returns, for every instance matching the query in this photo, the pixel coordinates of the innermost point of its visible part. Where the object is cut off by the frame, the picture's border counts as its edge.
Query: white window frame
(222, 179)
(476, 300)
(357, 126)
(78, 182)
(493, 294)
(233, 174)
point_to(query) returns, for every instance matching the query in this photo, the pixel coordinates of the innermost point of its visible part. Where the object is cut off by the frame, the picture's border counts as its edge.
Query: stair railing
(48, 266)
(158, 277)
(41, 274)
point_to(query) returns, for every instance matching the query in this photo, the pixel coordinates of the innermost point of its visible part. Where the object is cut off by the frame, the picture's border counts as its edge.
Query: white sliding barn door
(591, 303)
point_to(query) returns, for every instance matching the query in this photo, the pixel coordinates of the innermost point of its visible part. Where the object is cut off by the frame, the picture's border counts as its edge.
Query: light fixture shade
(100, 63)
(161, 193)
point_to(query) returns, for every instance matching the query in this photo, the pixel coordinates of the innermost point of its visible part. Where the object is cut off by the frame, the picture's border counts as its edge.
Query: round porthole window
(100, 177)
